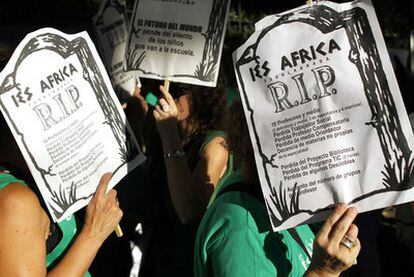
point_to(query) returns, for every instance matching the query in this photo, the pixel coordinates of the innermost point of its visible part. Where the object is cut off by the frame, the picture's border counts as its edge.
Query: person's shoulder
(234, 212)
(213, 139)
(18, 199)
(215, 146)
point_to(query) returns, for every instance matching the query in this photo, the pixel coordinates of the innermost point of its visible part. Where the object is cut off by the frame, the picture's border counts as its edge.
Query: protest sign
(60, 106)
(110, 25)
(324, 112)
(177, 40)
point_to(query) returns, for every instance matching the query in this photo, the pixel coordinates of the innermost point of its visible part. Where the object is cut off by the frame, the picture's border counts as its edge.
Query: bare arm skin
(25, 228)
(190, 192)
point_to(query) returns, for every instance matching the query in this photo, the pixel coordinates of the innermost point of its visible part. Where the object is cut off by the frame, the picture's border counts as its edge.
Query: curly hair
(239, 143)
(207, 105)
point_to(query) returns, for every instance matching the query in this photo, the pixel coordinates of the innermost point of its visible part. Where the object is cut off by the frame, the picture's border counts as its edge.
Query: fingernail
(353, 210)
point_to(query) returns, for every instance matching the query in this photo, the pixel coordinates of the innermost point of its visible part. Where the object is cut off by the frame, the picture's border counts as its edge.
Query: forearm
(79, 257)
(184, 191)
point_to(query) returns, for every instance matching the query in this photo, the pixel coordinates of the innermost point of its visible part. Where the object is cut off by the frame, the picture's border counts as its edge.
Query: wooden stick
(167, 85)
(118, 231)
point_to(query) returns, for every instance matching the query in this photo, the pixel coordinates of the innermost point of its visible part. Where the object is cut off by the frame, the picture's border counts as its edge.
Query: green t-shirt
(235, 239)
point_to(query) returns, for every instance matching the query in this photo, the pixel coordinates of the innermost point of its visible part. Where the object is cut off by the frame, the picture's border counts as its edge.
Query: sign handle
(118, 231)
(167, 85)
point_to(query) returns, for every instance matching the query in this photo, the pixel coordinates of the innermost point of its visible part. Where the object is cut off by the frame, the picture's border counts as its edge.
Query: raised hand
(166, 113)
(103, 213)
(336, 246)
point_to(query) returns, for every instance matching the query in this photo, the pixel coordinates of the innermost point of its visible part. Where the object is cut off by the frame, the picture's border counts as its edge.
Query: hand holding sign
(73, 127)
(103, 213)
(330, 254)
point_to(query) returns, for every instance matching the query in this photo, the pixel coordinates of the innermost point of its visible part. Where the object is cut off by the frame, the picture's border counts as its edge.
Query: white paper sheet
(325, 114)
(110, 25)
(178, 41)
(60, 106)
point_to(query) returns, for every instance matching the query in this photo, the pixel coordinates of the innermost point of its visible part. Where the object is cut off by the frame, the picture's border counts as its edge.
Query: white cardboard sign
(325, 114)
(180, 41)
(60, 106)
(110, 25)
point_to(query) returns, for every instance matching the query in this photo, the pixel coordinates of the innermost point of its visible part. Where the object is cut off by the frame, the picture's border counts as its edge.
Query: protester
(235, 237)
(192, 182)
(188, 122)
(30, 243)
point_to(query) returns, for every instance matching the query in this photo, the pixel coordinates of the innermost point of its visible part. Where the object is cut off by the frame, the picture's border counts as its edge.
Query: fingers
(159, 111)
(111, 195)
(352, 233)
(342, 226)
(332, 219)
(103, 185)
(111, 204)
(166, 95)
(350, 256)
(336, 247)
(117, 217)
(114, 211)
(137, 92)
(164, 105)
(156, 114)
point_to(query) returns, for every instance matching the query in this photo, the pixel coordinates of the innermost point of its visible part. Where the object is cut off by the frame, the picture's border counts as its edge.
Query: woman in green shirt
(195, 159)
(235, 237)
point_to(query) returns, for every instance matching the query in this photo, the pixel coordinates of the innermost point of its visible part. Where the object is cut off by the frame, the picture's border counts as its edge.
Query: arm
(25, 227)
(190, 193)
(102, 216)
(23, 232)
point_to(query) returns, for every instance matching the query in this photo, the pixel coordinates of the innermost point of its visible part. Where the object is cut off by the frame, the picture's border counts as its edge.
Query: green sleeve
(241, 254)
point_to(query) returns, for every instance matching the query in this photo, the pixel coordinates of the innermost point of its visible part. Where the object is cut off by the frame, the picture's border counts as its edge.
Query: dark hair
(239, 143)
(207, 107)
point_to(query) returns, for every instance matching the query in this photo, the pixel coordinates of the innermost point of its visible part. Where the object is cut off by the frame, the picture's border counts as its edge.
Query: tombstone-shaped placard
(110, 25)
(325, 114)
(177, 40)
(60, 106)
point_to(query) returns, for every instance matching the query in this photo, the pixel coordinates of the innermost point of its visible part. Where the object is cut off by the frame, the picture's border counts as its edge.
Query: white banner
(60, 106)
(325, 114)
(110, 25)
(180, 41)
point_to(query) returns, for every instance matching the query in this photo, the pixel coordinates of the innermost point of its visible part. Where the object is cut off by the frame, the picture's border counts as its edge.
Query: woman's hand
(165, 114)
(102, 216)
(330, 254)
(103, 213)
